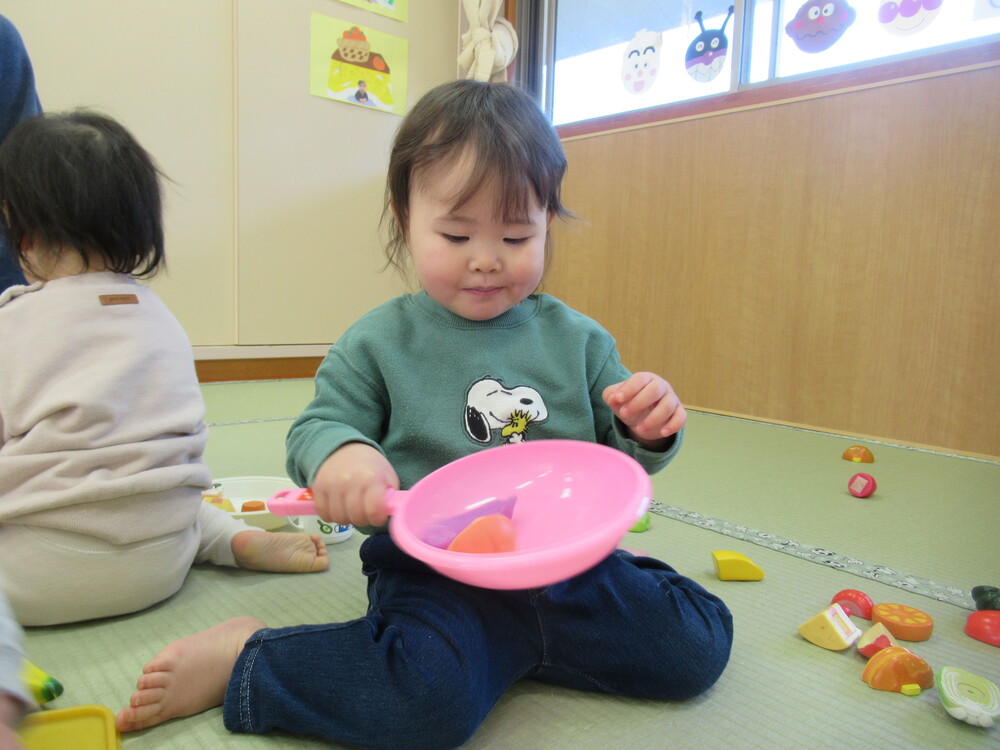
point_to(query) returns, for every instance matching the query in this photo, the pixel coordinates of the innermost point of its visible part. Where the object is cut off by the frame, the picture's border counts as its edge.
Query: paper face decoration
(907, 16)
(819, 24)
(641, 61)
(707, 52)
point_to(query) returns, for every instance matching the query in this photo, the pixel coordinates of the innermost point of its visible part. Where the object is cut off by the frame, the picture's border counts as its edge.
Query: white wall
(272, 211)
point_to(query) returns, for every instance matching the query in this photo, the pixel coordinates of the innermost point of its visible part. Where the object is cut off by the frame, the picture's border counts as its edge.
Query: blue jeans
(430, 659)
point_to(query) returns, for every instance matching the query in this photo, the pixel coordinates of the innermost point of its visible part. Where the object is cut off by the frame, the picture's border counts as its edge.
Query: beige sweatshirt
(101, 417)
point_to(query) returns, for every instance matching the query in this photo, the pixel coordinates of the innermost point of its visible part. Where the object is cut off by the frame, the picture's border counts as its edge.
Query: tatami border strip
(883, 574)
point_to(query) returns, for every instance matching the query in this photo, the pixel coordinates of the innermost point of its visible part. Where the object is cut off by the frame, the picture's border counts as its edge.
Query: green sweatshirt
(426, 386)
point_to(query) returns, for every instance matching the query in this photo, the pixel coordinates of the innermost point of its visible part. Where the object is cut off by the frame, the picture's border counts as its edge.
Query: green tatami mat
(933, 516)
(779, 691)
(261, 399)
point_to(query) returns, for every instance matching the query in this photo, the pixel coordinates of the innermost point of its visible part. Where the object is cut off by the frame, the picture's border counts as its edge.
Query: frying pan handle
(299, 502)
(395, 500)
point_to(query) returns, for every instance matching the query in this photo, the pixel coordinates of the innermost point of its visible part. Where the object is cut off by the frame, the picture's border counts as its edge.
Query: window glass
(613, 57)
(819, 34)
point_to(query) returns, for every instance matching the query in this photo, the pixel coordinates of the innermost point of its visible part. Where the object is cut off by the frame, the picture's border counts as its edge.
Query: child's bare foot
(280, 552)
(188, 676)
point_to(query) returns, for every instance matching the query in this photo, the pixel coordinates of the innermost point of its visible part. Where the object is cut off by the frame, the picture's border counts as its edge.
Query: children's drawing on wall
(641, 61)
(357, 65)
(819, 24)
(706, 54)
(907, 16)
(393, 8)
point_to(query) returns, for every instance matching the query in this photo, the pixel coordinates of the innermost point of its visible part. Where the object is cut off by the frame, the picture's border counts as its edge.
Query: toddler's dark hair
(78, 181)
(514, 146)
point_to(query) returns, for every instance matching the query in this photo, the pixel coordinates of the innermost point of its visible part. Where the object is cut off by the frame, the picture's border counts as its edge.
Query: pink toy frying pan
(570, 502)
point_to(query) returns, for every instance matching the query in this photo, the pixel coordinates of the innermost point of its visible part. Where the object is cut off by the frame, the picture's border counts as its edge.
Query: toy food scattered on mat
(77, 728)
(353, 62)
(968, 697)
(859, 454)
(986, 597)
(855, 603)
(905, 623)
(732, 566)
(487, 534)
(42, 686)
(984, 625)
(898, 670)
(862, 485)
(643, 523)
(873, 640)
(831, 629)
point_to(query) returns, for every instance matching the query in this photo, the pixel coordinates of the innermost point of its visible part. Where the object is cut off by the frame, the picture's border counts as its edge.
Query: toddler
(475, 359)
(101, 417)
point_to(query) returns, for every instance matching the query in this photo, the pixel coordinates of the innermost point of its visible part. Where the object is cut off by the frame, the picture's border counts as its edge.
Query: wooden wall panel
(831, 262)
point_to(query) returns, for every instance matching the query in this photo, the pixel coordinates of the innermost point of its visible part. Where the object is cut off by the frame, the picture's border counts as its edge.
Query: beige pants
(53, 577)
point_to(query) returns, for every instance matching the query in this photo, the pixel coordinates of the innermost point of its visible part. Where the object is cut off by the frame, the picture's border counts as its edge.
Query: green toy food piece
(986, 597)
(643, 523)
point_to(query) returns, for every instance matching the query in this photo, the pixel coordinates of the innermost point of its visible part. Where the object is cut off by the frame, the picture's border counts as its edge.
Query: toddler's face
(467, 260)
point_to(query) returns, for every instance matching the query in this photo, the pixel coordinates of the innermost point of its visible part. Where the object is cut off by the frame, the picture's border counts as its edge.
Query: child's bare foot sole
(188, 676)
(280, 552)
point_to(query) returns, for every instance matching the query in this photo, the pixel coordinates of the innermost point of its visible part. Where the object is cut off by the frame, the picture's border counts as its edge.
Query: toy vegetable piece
(984, 625)
(858, 454)
(855, 603)
(905, 623)
(43, 686)
(986, 597)
(968, 697)
(895, 669)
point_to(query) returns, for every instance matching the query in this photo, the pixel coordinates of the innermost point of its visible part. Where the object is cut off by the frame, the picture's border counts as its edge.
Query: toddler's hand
(648, 406)
(350, 485)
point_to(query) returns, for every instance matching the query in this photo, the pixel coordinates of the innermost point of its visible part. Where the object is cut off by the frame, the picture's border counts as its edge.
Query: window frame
(954, 58)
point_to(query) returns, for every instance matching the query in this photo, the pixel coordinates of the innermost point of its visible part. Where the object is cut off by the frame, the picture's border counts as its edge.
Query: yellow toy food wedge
(968, 697)
(43, 686)
(832, 629)
(79, 728)
(732, 566)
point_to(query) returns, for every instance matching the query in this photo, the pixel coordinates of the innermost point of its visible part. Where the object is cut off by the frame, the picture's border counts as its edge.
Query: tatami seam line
(873, 571)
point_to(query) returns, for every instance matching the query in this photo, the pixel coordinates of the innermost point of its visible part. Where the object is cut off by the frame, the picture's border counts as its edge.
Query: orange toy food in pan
(492, 533)
(905, 623)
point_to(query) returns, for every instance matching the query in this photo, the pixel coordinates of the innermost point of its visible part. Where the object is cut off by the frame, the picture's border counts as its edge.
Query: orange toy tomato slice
(493, 533)
(905, 623)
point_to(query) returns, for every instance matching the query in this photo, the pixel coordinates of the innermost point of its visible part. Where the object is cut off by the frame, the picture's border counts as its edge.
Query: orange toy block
(832, 629)
(492, 533)
(905, 623)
